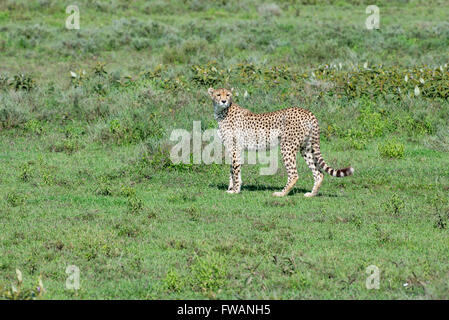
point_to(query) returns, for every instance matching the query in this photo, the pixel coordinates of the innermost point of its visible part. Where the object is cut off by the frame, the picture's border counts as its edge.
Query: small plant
(356, 220)
(193, 213)
(25, 172)
(128, 191)
(391, 149)
(68, 146)
(373, 121)
(173, 281)
(135, 204)
(209, 74)
(48, 176)
(4, 81)
(130, 130)
(441, 209)
(160, 159)
(74, 132)
(99, 69)
(17, 292)
(23, 82)
(415, 127)
(104, 186)
(299, 281)
(128, 230)
(33, 126)
(357, 143)
(100, 89)
(209, 272)
(15, 199)
(382, 236)
(394, 205)
(441, 221)
(78, 78)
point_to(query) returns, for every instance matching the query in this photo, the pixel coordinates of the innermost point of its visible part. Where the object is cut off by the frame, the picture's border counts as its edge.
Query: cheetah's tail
(333, 172)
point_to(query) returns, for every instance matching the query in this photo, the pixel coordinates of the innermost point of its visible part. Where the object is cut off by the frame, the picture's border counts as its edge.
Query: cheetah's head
(222, 98)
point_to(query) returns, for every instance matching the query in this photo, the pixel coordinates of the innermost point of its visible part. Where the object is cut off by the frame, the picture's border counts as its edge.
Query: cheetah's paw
(278, 194)
(309, 195)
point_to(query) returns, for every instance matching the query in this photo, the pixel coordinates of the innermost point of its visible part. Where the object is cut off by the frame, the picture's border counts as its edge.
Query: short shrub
(394, 205)
(441, 211)
(391, 149)
(25, 172)
(128, 131)
(23, 82)
(104, 186)
(209, 74)
(135, 204)
(173, 281)
(128, 191)
(373, 122)
(4, 81)
(15, 199)
(209, 272)
(18, 292)
(415, 126)
(10, 118)
(141, 43)
(33, 126)
(299, 281)
(357, 143)
(99, 69)
(68, 146)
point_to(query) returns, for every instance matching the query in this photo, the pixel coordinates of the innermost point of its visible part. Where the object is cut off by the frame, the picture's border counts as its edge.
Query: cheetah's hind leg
(318, 176)
(289, 159)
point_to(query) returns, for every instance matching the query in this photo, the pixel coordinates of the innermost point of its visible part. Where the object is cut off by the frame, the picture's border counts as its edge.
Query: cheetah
(295, 129)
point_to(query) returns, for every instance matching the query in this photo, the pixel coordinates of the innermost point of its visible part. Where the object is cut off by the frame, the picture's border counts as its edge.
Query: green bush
(104, 186)
(15, 199)
(18, 292)
(131, 130)
(373, 122)
(33, 126)
(209, 272)
(25, 172)
(135, 204)
(4, 81)
(23, 82)
(68, 146)
(394, 205)
(173, 281)
(391, 149)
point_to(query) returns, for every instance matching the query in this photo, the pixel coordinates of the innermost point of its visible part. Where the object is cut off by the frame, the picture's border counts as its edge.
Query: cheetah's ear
(232, 90)
(210, 91)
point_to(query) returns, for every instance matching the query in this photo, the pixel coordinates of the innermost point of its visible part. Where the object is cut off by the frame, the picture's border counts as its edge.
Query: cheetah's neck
(220, 113)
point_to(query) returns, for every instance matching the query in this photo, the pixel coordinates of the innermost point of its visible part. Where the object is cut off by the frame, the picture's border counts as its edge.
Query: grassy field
(86, 178)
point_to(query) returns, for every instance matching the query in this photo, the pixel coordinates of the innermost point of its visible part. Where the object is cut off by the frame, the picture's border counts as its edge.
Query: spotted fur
(295, 129)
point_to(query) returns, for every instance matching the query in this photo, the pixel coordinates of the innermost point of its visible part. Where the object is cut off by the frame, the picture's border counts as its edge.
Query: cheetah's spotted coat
(296, 129)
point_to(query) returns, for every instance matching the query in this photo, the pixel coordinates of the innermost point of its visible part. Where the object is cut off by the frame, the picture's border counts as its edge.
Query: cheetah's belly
(249, 138)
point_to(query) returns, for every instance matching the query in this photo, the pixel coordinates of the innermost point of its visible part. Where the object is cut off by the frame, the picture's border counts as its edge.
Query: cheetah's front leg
(235, 178)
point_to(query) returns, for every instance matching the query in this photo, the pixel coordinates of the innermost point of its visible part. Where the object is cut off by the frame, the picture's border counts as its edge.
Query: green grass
(85, 177)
